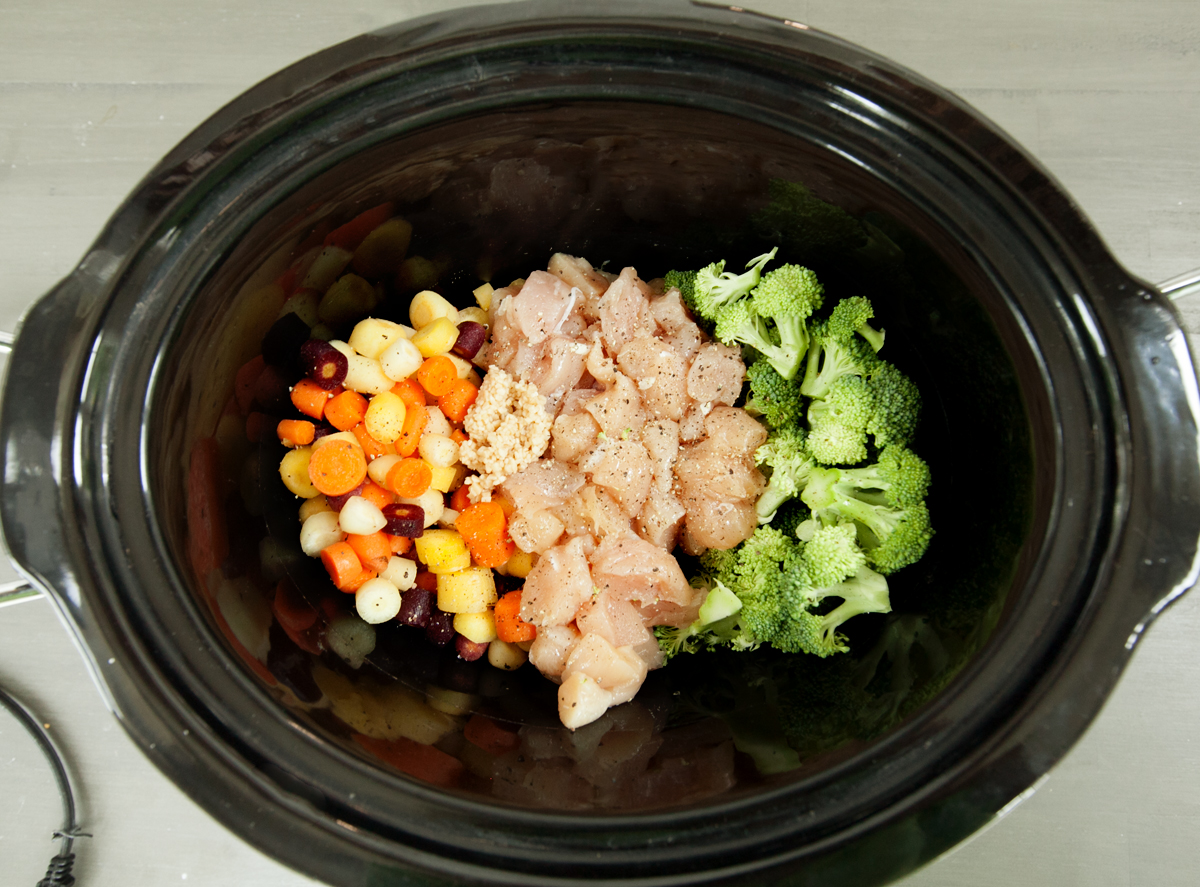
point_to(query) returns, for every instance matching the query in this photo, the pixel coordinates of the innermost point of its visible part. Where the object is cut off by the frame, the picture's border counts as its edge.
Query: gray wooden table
(1105, 92)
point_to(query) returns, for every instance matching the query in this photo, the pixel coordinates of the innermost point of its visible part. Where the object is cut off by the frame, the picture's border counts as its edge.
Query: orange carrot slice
(410, 478)
(337, 467)
(437, 374)
(455, 402)
(346, 410)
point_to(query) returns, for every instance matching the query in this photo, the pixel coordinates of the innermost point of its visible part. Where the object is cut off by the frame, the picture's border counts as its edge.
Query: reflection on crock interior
(708, 725)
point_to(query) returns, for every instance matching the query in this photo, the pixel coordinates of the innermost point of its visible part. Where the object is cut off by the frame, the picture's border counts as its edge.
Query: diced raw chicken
(558, 369)
(544, 484)
(619, 409)
(661, 376)
(551, 647)
(677, 325)
(625, 471)
(601, 661)
(542, 306)
(660, 520)
(535, 531)
(581, 700)
(630, 568)
(622, 625)
(716, 375)
(573, 435)
(711, 523)
(557, 586)
(624, 310)
(579, 273)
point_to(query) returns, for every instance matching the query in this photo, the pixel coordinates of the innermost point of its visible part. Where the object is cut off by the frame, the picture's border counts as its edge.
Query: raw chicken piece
(716, 375)
(581, 700)
(557, 586)
(676, 324)
(661, 376)
(625, 471)
(618, 411)
(625, 311)
(551, 647)
(544, 484)
(630, 568)
(578, 272)
(573, 435)
(535, 531)
(542, 306)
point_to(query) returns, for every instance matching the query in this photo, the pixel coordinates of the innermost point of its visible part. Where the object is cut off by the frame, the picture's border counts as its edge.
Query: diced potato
(435, 338)
(372, 336)
(476, 314)
(348, 298)
(504, 655)
(440, 550)
(427, 306)
(320, 531)
(401, 572)
(385, 418)
(479, 628)
(382, 251)
(443, 480)
(377, 469)
(365, 375)
(293, 470)
(519, 564)
(483, 296)
(436, 449)
(472, 590)
(312, 506)
(401, 360)
(325, 268)
(303, 304)
(451, 702)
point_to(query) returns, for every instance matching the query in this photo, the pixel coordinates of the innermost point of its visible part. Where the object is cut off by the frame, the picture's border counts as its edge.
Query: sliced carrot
(416, 417)
(345, 410)
(455, 402)
(373, 551)
(244, 382)
(437, 374)
(359, 581)
(460, 498)
(410, 391)
(350, 235)
(296, 432)
(410, 478)
(484, 527)
(510, 627)
(376, 494)
(483, 732)
(400, 545)
(371, 447)
(458, 435)
(310, 398)
(426, 580)
(337, 467)
(342, 563)
(425, 762)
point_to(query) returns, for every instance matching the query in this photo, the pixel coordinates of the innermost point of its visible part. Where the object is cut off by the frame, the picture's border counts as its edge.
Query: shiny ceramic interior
(1059, 411)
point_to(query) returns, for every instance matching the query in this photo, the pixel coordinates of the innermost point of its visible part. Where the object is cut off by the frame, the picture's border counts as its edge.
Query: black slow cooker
(1060, 425)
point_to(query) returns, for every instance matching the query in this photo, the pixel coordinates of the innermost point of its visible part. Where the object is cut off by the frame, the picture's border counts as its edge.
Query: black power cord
(58, 874)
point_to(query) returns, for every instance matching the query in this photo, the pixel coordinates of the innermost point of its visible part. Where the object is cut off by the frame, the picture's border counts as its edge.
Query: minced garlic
(509, 429)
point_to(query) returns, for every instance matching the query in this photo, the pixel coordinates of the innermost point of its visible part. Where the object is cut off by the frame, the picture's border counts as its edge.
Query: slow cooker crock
(1060, 425)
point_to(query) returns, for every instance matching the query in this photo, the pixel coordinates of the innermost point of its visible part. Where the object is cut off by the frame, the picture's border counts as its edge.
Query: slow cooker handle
(17, 589)
(1160, 558)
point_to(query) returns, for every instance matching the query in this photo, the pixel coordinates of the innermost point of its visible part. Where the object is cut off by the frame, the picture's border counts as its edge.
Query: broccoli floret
(892, 534)
(776, 399)
(864, 592)
(714, 286)
(685, 282)
(834, 443)
(832, 354)
(896, 406)
(851, 315)
(739, 322)
(786, 452)
(788, 296)
(832, 555)
(900, 476)
(716, 625)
